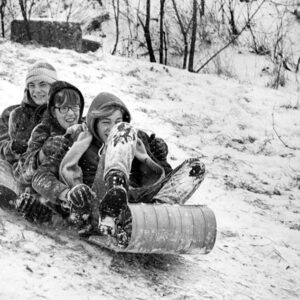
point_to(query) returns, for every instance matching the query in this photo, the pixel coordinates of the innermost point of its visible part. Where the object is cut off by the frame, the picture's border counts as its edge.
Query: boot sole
(113, 202)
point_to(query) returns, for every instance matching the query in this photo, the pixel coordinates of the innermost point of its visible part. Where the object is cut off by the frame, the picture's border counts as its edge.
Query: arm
(148, 141)
(45, 181)
(24, 169)
(8, 146)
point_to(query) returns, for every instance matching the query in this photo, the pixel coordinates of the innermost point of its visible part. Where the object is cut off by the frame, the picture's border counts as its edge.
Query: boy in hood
(59, 127)
(17, 121)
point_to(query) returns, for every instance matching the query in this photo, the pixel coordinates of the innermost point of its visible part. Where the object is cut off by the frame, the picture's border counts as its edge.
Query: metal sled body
(164, 228)
(156, 228)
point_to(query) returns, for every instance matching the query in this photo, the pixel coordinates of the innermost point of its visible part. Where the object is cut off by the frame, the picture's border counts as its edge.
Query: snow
(252, 185)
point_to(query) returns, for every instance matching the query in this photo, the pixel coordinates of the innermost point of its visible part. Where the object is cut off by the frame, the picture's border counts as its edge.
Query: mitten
(158, 148)
(18, 146)
(197, 169)
(56, 146)
(80, 197)
(32, 209)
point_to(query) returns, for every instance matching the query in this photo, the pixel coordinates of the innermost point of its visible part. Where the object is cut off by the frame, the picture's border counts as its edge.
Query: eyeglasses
(65, 109)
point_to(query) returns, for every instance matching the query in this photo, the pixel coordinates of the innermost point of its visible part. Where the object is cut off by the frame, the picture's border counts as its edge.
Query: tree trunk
(161, 32)
(193, 37)
(2, 14)
(23, 6)
(202, 8)
(116, 14)
(234, 30)
(166, 49)
(184, 35)
(146, 28)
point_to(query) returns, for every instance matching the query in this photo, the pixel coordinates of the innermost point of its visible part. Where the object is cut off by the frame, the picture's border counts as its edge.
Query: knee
(123, 132)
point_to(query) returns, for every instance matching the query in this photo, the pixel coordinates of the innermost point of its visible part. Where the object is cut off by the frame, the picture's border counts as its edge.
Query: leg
(178, 186)
(120, 149)
(119, 154)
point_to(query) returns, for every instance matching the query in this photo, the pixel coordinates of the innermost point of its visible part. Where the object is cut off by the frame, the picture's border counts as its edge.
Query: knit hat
(41, 71)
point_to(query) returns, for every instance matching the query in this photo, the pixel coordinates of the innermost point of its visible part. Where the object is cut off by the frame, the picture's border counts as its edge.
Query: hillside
(252, 185)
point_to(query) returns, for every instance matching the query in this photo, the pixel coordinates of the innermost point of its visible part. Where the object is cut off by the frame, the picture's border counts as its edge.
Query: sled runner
(155, 228)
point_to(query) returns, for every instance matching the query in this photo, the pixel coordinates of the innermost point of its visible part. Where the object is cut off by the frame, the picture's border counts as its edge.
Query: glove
(158, 148)
(56, 146)
(197, 169)
(32, 209)
(80, 197)
(18, 146)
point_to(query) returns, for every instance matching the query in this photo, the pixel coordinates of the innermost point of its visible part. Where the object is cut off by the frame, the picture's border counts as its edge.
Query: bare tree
(146, 27)
(193, 37)
(116, 7)
(184, 31)
(202, 8)
(161, 32)
(23, 6)
(233, 39)
(69, 10)
(234, 30)
(2, 15)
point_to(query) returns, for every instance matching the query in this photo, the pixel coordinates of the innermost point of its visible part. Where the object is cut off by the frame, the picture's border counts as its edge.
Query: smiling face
(39, 91)
(66, 108)
(105, 124)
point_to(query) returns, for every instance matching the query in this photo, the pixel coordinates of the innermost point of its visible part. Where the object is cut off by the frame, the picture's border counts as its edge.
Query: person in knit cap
(59, 126)
(18, 121)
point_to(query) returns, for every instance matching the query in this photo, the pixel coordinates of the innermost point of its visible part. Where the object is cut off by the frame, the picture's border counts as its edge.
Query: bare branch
(233, 39)
(280, 138)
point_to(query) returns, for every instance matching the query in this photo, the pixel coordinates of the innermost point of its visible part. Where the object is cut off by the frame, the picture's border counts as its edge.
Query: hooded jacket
(17, 123)
(28, 163)
(81, 162)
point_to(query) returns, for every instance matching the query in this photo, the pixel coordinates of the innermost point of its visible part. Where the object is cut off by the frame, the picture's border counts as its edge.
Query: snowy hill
(252, 185)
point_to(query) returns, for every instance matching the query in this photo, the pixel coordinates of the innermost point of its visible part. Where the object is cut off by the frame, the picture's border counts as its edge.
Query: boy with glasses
(63, 118)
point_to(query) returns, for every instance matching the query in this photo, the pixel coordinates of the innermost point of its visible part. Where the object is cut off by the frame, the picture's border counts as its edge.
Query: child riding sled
(112, 164)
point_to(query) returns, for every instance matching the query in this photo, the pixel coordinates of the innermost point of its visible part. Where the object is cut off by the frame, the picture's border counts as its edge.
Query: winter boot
(114, 201)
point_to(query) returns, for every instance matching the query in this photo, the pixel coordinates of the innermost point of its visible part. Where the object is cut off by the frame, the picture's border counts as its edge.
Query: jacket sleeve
(45, 180)
(6, 151)
(54, 176)
(27, 165)
(146, 140)
(70, 171)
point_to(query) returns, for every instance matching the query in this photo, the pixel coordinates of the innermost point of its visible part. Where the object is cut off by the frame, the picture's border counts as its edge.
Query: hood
(103, 100)
(56, 87)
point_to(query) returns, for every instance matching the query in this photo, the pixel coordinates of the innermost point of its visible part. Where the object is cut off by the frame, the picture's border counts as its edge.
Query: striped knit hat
(43, 71)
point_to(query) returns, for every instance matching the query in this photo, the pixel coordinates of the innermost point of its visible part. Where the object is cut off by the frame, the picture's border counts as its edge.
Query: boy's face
(39, 91)
(105, 125)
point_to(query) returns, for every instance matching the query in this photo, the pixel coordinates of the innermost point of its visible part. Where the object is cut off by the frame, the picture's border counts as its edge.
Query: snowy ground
(252, 185)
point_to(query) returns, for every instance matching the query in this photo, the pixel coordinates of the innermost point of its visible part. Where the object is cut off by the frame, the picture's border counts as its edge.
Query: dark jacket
(17, 123)
(27, 165)
(81, 162)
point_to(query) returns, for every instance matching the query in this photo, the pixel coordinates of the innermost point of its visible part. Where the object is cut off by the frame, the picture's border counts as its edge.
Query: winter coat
(28, 164)
(17, 123)
(81, 162)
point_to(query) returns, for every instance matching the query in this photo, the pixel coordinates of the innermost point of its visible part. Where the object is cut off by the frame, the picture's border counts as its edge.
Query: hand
(56, 146)
(197, 169)
(18, 146)
(158, 148)
(75, 130)
(80, 198)
(32, 209)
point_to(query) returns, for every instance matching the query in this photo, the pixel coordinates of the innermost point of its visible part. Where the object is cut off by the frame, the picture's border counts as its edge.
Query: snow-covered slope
(252, 184)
